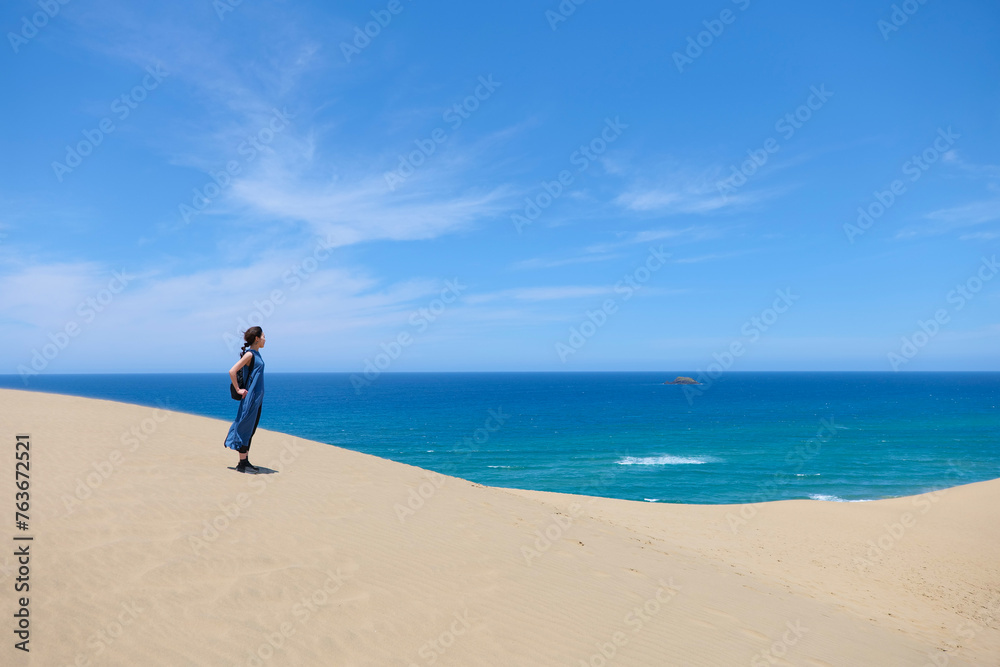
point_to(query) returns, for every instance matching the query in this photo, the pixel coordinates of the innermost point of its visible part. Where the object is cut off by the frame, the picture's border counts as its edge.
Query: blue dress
(249, 411)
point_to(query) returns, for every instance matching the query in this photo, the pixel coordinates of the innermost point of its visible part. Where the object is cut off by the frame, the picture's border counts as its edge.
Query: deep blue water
(746, 437)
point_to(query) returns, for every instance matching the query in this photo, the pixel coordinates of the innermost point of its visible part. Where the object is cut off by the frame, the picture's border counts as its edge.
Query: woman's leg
(245, 449)
(250, 439)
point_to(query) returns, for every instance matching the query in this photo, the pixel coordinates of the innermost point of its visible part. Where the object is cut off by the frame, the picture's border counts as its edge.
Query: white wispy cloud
(191, 315)
(671, 200)
(674, 189)
(711, 257)
(980, 236)
(975, 213)
(972, 169)
(541, 293)
(946, 220)
(675, 235)
(542, 263)
(358, 210)
(972, 214)
(45, 294)
(304, 175)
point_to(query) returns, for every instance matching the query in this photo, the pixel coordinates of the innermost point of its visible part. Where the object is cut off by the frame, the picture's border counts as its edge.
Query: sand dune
(149, 550)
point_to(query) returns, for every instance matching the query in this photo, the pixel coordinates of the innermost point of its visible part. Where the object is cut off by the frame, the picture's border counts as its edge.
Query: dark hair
(250, 335)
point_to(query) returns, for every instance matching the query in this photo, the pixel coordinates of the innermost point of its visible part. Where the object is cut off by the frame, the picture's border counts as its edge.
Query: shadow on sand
(261, 470)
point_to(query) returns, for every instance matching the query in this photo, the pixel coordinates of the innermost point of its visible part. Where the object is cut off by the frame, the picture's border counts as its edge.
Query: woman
(248, 414)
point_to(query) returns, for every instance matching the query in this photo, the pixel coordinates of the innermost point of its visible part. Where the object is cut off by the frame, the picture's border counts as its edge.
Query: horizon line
(516, 372)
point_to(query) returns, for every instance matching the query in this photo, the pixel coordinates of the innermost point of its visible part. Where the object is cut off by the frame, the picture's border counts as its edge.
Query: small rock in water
(683, 380)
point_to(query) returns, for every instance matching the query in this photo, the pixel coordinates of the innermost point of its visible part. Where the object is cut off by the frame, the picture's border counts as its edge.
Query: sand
(150, 549)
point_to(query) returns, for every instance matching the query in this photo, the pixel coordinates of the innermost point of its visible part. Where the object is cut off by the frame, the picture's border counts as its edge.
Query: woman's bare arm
(244, 360)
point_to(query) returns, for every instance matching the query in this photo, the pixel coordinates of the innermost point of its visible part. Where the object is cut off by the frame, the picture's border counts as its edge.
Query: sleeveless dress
(249, 410)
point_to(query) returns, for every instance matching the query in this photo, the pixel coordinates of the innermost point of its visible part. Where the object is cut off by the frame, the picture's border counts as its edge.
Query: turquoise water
(747, 437)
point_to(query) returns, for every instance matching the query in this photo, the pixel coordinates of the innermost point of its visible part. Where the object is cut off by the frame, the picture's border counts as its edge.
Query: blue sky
(269, 163)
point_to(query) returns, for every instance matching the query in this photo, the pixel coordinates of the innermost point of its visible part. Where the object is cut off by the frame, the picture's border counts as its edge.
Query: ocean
(745, 437)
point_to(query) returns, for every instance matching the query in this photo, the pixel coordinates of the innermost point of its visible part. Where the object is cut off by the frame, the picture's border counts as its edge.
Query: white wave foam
(665, 460)
(836, 499)
(652, 500)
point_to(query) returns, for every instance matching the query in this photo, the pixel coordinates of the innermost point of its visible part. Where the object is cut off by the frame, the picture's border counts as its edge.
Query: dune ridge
(149, 550)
